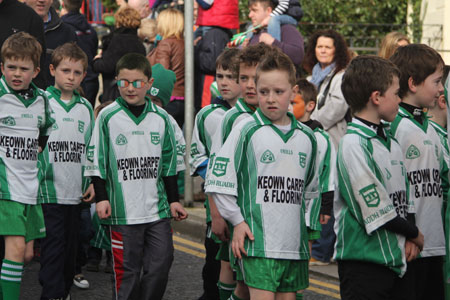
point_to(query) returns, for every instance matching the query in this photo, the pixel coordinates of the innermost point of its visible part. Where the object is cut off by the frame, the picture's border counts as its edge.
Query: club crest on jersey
(9, 121)
(412, 152)
(80, 126)
(154, 91)
(39, 118)
(194, 150)
(90, 153)
(181, 149)
(370, 195)
(388, 174)
(121, 140)
(220, 166)
(267, 157)
(302, 159)
(55, 126)
(155, 138)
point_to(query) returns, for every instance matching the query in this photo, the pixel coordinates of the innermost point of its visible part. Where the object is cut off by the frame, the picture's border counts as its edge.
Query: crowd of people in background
(280, 123)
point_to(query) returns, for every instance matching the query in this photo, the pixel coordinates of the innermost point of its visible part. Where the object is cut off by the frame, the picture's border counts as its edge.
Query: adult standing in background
(56, 32)
(391, 42)
(326, 58)
(170, 53)
(16, 16)
(121, 41)
(142, 6)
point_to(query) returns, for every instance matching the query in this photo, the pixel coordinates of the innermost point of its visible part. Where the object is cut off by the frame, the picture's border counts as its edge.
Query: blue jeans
(323, 248)
(275, 23)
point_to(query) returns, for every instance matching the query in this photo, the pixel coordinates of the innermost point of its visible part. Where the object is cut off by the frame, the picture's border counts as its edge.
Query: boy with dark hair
(260, 179)
(206, 126)
(371, 210)
(63, 185)
(25, 124)
(87, 40)
(133, 160)
(420, 86)
(319, 217)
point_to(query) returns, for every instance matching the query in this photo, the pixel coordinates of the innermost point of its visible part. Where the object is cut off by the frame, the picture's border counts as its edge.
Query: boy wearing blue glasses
(132, 161)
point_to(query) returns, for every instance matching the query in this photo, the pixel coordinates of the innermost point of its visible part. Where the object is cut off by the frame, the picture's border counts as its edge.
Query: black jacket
(15, 17)
(116, 45)
(86, 38)
(56, 33)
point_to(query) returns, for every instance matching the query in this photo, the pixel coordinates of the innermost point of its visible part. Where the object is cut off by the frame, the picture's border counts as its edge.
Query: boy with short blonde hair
(259, 181)
(25, 124)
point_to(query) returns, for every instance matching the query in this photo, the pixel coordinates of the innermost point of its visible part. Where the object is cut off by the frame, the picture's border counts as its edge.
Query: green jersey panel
(63, 159)
(22, 121)
(133, 154)
(270, 173)
(372, 191)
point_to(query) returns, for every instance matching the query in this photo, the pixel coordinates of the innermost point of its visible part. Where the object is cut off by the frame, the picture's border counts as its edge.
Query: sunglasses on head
(123, 83)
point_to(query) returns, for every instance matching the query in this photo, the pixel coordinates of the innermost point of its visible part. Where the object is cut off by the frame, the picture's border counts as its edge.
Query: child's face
(68, 75)
(19, 73)
(131, 94)
(275, 94)
(388, 103)
(297, 106)
(228, 87)
(247, 76)
(428, 91)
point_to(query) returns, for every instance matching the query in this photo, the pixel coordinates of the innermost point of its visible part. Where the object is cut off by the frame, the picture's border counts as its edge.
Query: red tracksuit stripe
(118, 260)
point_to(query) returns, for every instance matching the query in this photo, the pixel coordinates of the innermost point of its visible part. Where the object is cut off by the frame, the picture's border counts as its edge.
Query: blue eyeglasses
(123, 83)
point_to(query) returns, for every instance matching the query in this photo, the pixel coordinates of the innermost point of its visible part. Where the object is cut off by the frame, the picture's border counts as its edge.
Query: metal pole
(188, 96)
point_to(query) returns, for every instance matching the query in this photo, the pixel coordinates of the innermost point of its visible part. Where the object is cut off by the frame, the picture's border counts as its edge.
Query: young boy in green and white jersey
(248, 60)
(25, 124)
(260, 179)
(133, 158)
(421, 70)
(319, 210)
(63, 185)
(207, 122)
(438, 117)
(374, 237)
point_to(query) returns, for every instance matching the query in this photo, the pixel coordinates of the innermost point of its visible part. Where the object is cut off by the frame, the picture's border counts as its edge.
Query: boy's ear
(441, 102)
(36, 72)
(310, 106)
(412, 85)
(374, 97)
(52, 69)
(294, 91)
(150, 83)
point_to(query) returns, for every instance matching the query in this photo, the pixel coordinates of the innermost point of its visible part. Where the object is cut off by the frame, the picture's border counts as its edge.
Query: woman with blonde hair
(121, 41)
(170, 53)
(391, 42)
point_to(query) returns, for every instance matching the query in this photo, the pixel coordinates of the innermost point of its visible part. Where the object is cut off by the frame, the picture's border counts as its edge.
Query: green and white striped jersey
(22, 121)
(63, 159)
(427, 175)
(327, 169)
(270, 173)
(133, 154)
(181, 144)
(207, 121)
(373, 190)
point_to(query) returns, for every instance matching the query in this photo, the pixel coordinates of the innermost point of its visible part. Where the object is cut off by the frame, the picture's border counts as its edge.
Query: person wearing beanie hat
(164, 81)
(159, 93)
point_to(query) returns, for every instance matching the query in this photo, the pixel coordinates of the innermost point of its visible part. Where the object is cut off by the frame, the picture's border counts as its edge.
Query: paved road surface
(184, 281)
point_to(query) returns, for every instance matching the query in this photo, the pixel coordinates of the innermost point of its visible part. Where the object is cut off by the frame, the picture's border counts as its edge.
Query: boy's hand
(266, 39)
(39, 149)
(89, 195)
(411, 250)
(219, 228)
(240, 232)
(177, 211)
(323, 219)
(103, 209)
(419, 240)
